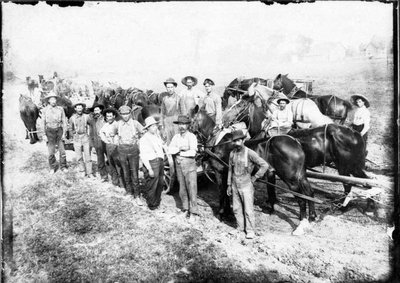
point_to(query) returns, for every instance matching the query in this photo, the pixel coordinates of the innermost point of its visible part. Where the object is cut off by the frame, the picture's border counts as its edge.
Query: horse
(330, 105)
(239, 86)
(29, 113)
(283, 152)
(322, 145)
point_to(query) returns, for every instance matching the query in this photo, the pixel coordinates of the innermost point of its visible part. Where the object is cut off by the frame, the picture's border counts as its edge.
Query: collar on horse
(293, 92)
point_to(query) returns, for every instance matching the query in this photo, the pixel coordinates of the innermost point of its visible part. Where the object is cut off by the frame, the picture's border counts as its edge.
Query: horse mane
(254, 142)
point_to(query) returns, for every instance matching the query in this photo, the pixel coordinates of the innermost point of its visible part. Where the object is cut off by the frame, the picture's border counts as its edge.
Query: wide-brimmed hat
(182, 119)
(79, 103)
(208, 81)
(283, 99)
(357, 96)
(184, 80)
(125, 109)
(149, 121)
(170, 81)
(238, 134)
(101, 106)
(51, 94)
(110, 110)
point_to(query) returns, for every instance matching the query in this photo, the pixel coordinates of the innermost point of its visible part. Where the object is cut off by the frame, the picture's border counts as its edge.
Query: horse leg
(304, 224)
(307, 190)
(271, 193)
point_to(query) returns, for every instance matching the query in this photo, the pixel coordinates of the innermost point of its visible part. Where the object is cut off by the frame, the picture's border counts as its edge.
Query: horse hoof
(32, 142)
(303, 226)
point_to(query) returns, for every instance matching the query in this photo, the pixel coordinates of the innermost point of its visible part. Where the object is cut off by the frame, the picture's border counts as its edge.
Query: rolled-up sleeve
(260, 162)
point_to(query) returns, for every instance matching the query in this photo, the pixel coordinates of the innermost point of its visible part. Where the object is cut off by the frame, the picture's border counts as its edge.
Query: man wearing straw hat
(55, 127)
(282, 118)
(189, 97)
(152, 155)
(362, 117)
(108, 134)
(184, 145)
(96, 122)
(170, 109)
(80, 132)
(242, 161)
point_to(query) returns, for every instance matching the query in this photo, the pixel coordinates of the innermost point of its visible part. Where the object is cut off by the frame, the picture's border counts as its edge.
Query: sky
(144, 43)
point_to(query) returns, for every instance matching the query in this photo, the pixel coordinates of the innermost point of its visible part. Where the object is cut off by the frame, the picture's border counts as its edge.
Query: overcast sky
(152, 41)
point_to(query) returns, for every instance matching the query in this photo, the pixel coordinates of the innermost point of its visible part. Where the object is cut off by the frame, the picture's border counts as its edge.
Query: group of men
(124, 142)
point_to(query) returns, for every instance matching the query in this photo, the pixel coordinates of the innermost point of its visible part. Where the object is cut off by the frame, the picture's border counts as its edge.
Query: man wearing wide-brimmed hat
(108, 134)
(129, 132)
(212, 103)
(96, 122)
(152, 155)
(170, 109)
(190, 96)
(362, 117)
(242, 161)
(55, 127)
(79, 122)
(184, 146)
(282, 118)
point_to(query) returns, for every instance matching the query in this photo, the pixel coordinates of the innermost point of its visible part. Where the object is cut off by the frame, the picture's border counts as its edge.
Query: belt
(188, 157)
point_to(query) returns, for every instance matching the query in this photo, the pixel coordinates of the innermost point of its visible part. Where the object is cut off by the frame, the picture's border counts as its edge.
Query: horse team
(324, 144)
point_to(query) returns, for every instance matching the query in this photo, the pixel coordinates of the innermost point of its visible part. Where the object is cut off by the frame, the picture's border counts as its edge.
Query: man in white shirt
(362, 117)
(184, 145)
(189, 97)
(212, 103)
(282, 118)
(152, 155)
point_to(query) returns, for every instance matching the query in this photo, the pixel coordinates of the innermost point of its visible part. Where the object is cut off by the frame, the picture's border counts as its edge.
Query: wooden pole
(351, 180)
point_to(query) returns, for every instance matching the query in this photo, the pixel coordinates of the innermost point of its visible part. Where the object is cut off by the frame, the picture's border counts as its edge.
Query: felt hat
(357, 96)
(149, 121)
(283, 99)
(110, 110)
(125, 109)
(184, 80)
(182, 119)
(170, 81)
(238, 134)
(208, 81)
(101, 106)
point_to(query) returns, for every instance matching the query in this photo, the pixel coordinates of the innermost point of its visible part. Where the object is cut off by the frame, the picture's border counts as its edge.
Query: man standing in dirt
(189, 97)
(184, 145)
(55, 127)
(240, 182)
(80, 132)
(170, 109)
(152, 156)
(96, 122)
(108, 134)
(129, 132)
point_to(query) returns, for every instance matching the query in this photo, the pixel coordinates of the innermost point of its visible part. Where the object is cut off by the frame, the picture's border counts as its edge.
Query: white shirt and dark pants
(361, 123)
(152, 154)
(186, 170)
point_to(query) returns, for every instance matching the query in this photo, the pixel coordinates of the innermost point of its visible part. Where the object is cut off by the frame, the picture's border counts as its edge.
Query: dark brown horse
(29, 113)
(284, 153)
(238, 86)
(322, 145)
(330, 105)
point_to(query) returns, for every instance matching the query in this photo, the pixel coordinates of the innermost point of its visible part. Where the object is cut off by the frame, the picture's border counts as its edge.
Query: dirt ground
(349, 246)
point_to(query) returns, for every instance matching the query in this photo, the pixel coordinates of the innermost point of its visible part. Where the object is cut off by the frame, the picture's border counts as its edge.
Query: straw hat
(80, 103)
(170, 81)
(125, 109)
(149, 121)
(184, 80)
(51, 94)
(357, 96)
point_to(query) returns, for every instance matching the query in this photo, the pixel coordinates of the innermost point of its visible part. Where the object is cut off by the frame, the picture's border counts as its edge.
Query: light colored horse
(305, 112)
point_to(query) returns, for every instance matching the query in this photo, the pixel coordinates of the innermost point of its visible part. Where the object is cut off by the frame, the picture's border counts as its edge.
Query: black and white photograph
(200, 142)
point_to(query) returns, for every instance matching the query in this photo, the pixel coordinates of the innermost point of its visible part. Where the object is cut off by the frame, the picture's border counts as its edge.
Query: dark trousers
(115, 169)
(359, 128)
(53, 139)
(101, 160)
(128, 156)
(154, 185)
(187, 177)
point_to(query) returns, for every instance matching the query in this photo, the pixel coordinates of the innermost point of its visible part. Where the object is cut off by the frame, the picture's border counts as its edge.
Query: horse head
(283, 83)
(238, 112)
(202, 124)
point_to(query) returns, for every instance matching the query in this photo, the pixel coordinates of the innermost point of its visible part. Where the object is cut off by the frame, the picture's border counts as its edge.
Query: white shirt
(362, 116)
(187, 139)
(151, 147)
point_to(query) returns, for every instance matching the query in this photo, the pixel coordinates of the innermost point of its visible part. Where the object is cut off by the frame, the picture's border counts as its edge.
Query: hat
(80, 103)
(110, 110)
(170, 81)
(357, 96)
(125, 109)
(184, 80)
(101, 106)
(238, 134)
(283, 99)
(182, 119)
(208, 81)
(149, 121)
(51, 94)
